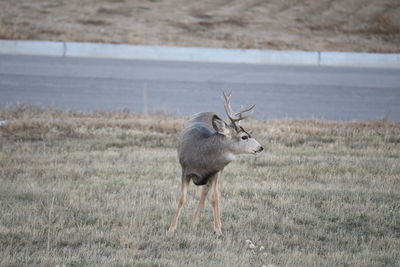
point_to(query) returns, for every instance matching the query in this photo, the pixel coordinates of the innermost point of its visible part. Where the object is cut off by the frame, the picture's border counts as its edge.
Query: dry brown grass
(100, 188)
(14, 31)
(319, 25)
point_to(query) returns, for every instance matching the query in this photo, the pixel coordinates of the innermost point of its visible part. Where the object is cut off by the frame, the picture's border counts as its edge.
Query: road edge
(199, 54)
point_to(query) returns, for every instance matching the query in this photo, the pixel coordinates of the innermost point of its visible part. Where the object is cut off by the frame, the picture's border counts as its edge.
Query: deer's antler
(239, 115)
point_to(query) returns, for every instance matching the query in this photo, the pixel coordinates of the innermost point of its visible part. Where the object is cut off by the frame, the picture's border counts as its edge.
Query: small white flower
(248, 242)
(252, 246)
(262, 248)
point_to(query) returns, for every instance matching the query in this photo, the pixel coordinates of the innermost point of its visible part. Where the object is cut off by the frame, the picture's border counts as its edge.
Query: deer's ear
(220, 126)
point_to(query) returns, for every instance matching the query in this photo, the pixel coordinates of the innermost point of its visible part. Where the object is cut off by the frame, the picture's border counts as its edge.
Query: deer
(205, 146)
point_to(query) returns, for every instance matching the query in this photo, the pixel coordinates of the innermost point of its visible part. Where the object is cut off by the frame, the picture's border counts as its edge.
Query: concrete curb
(360, 59)
(32, 48)
(198, 54)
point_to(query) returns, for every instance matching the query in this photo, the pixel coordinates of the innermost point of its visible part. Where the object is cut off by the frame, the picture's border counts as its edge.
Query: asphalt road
(185, 88)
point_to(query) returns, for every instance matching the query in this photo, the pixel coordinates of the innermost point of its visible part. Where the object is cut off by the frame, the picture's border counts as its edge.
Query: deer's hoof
(170, 232)
(218, 233)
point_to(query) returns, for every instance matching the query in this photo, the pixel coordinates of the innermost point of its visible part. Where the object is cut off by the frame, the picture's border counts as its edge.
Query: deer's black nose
(261, 149)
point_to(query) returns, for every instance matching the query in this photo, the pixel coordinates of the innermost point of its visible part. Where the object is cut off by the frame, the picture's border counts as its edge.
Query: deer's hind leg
(215, 203)
(203, 196)
(181, 202)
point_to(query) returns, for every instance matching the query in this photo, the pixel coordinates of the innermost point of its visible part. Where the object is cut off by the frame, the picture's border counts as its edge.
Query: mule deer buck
(206, 145)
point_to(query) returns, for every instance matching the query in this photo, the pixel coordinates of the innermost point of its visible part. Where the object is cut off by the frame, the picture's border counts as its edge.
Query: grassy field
(311, 25)
(100, 189)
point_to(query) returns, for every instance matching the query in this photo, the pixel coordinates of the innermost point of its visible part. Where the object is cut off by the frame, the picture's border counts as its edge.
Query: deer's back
(201, 149)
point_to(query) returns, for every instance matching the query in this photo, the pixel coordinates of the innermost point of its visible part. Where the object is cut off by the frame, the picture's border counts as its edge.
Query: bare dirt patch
(355, 25)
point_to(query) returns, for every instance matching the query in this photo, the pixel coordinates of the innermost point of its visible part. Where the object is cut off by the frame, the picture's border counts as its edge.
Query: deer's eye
(245, 137)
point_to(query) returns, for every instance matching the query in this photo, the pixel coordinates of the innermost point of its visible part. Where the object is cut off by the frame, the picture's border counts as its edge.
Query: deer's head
(240, 141)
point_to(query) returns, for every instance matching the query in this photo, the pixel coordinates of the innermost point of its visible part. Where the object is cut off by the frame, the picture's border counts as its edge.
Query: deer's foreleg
(182, 201)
